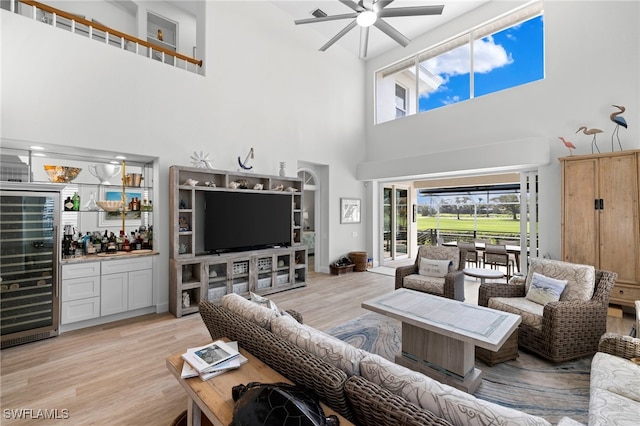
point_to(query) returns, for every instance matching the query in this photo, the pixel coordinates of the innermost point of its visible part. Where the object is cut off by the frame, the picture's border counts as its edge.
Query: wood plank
(115, 373)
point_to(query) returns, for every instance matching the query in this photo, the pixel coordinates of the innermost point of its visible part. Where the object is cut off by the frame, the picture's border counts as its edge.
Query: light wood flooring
(115, 374)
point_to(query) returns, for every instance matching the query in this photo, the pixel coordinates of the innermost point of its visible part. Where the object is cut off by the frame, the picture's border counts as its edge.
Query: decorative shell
(191, 182)
(291, 189)
(109, 205)
(258, 186)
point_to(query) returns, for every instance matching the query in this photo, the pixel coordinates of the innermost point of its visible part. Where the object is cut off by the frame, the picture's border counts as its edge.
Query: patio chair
(472, 252)
(417, 277)
(557, 330)
(495, 255)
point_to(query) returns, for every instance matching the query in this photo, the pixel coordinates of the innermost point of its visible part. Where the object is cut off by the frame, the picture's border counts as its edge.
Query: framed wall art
(349, 210)
(111, 219)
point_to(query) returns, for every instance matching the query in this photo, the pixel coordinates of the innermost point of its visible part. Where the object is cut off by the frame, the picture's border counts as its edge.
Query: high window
(504, 53)
(401, 101)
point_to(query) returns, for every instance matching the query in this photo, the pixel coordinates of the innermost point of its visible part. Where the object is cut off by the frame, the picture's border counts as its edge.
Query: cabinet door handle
(601, 204)
(596, 204)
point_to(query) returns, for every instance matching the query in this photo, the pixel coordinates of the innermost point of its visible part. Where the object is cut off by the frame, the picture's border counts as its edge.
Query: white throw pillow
(249, 310)
(434, 267)
(544, 289)
(263, 301)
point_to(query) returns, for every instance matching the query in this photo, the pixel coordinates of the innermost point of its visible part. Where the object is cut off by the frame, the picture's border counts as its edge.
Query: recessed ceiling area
(379, 43)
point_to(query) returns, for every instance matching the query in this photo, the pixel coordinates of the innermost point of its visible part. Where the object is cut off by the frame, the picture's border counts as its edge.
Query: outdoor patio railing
(430, 236)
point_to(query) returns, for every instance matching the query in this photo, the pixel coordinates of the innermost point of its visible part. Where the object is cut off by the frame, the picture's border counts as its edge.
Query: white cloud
(487, 57)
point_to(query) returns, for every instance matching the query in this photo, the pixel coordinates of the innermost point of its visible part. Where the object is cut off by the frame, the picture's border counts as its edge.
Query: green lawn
(503, 223)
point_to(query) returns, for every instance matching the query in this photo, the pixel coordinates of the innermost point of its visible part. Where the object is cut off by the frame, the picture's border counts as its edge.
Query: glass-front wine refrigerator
(29, 283)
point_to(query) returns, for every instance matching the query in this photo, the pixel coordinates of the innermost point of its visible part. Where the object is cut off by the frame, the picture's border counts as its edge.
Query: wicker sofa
(362, 387)
(614, 397)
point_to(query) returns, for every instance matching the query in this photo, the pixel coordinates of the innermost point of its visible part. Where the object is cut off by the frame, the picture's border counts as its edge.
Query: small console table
(212, 398)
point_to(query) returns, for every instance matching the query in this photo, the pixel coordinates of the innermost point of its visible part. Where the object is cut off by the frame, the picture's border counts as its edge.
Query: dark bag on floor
(277, 404)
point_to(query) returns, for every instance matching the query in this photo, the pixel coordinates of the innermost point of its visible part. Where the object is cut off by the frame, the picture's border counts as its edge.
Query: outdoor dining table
(511, 249)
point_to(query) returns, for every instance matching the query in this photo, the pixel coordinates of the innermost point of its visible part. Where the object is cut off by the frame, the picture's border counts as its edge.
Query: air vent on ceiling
(318, 13)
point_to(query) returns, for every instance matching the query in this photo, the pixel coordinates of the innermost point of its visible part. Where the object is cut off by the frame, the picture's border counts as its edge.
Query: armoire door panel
(619, 190)
(580, 218)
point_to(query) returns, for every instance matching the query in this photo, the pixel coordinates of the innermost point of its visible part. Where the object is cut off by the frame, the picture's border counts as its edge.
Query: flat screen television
(235, 221)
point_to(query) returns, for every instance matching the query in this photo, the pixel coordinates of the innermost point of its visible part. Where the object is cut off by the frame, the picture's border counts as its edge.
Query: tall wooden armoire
(601, 217)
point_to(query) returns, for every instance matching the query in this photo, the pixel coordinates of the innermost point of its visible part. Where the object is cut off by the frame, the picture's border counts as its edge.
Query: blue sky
(505, 59)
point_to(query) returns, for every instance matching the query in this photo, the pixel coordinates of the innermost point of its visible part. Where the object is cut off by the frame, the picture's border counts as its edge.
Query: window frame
(510, 19)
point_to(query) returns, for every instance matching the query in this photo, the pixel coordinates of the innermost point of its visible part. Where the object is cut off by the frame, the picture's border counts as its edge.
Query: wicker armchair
(619, 345)
(569, 329)
(451, 286)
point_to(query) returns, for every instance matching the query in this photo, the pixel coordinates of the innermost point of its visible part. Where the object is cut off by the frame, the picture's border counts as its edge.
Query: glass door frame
(394, 215)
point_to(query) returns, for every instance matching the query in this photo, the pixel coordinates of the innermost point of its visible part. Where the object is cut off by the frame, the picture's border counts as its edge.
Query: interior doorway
(395, 219)
(310, 206)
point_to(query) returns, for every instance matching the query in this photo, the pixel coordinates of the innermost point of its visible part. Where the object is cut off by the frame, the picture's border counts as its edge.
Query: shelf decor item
(115, 197)
(61, 174)
(104, 172)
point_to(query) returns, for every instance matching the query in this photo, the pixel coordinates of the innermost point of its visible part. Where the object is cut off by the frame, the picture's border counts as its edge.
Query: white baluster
(106, 37)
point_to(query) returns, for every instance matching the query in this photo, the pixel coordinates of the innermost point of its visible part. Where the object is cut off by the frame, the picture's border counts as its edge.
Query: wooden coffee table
(213, 397)
(439, 335)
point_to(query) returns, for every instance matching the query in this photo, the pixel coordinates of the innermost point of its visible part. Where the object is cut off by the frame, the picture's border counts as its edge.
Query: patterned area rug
(528, 384)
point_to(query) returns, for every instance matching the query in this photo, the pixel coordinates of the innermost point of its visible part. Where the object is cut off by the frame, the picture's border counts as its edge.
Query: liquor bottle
(150, 237)
(68, 204)
(76, 202)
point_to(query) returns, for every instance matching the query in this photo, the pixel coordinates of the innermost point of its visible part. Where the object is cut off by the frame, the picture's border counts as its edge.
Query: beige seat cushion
(581, 279)
(617, 375)
(459, 408)
(424, 283)
(530, 312)
(440, 253)
(328, 348)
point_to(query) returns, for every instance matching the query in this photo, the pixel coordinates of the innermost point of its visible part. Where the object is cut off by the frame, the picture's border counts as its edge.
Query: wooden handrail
(111, 31)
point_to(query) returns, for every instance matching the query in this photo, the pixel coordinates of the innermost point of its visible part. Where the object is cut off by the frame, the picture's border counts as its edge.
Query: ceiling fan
(367, 13)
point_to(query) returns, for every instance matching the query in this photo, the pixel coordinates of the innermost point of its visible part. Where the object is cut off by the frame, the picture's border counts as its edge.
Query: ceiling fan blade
(381, 4)
(364, 41)
(339, 35)
(392, 32)
(411, 11)
(353, 5)
(326, 18)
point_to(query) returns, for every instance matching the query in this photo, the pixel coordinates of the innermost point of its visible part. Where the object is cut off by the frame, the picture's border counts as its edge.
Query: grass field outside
(500, 223)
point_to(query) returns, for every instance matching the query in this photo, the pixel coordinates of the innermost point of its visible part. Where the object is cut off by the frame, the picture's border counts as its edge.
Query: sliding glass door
(395, 223)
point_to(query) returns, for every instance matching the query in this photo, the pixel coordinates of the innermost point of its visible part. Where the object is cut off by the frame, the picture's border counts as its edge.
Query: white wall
(592, 61)
(266, 87)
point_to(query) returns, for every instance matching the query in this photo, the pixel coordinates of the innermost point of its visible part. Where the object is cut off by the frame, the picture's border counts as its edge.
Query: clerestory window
(501, 54)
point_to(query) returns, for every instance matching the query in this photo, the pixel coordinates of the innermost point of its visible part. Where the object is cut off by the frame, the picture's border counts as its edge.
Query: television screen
(246, 220)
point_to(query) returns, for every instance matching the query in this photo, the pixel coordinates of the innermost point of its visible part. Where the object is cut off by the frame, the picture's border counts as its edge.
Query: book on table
(206, 358)
(188, 371)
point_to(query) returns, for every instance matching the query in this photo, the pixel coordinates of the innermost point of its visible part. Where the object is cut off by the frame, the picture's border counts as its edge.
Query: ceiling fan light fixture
(366, 18)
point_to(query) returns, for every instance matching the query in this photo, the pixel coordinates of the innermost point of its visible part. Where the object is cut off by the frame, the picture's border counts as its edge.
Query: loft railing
(97, 31)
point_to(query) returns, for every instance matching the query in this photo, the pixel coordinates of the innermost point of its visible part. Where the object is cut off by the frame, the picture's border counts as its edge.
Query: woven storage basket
(359, 259)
